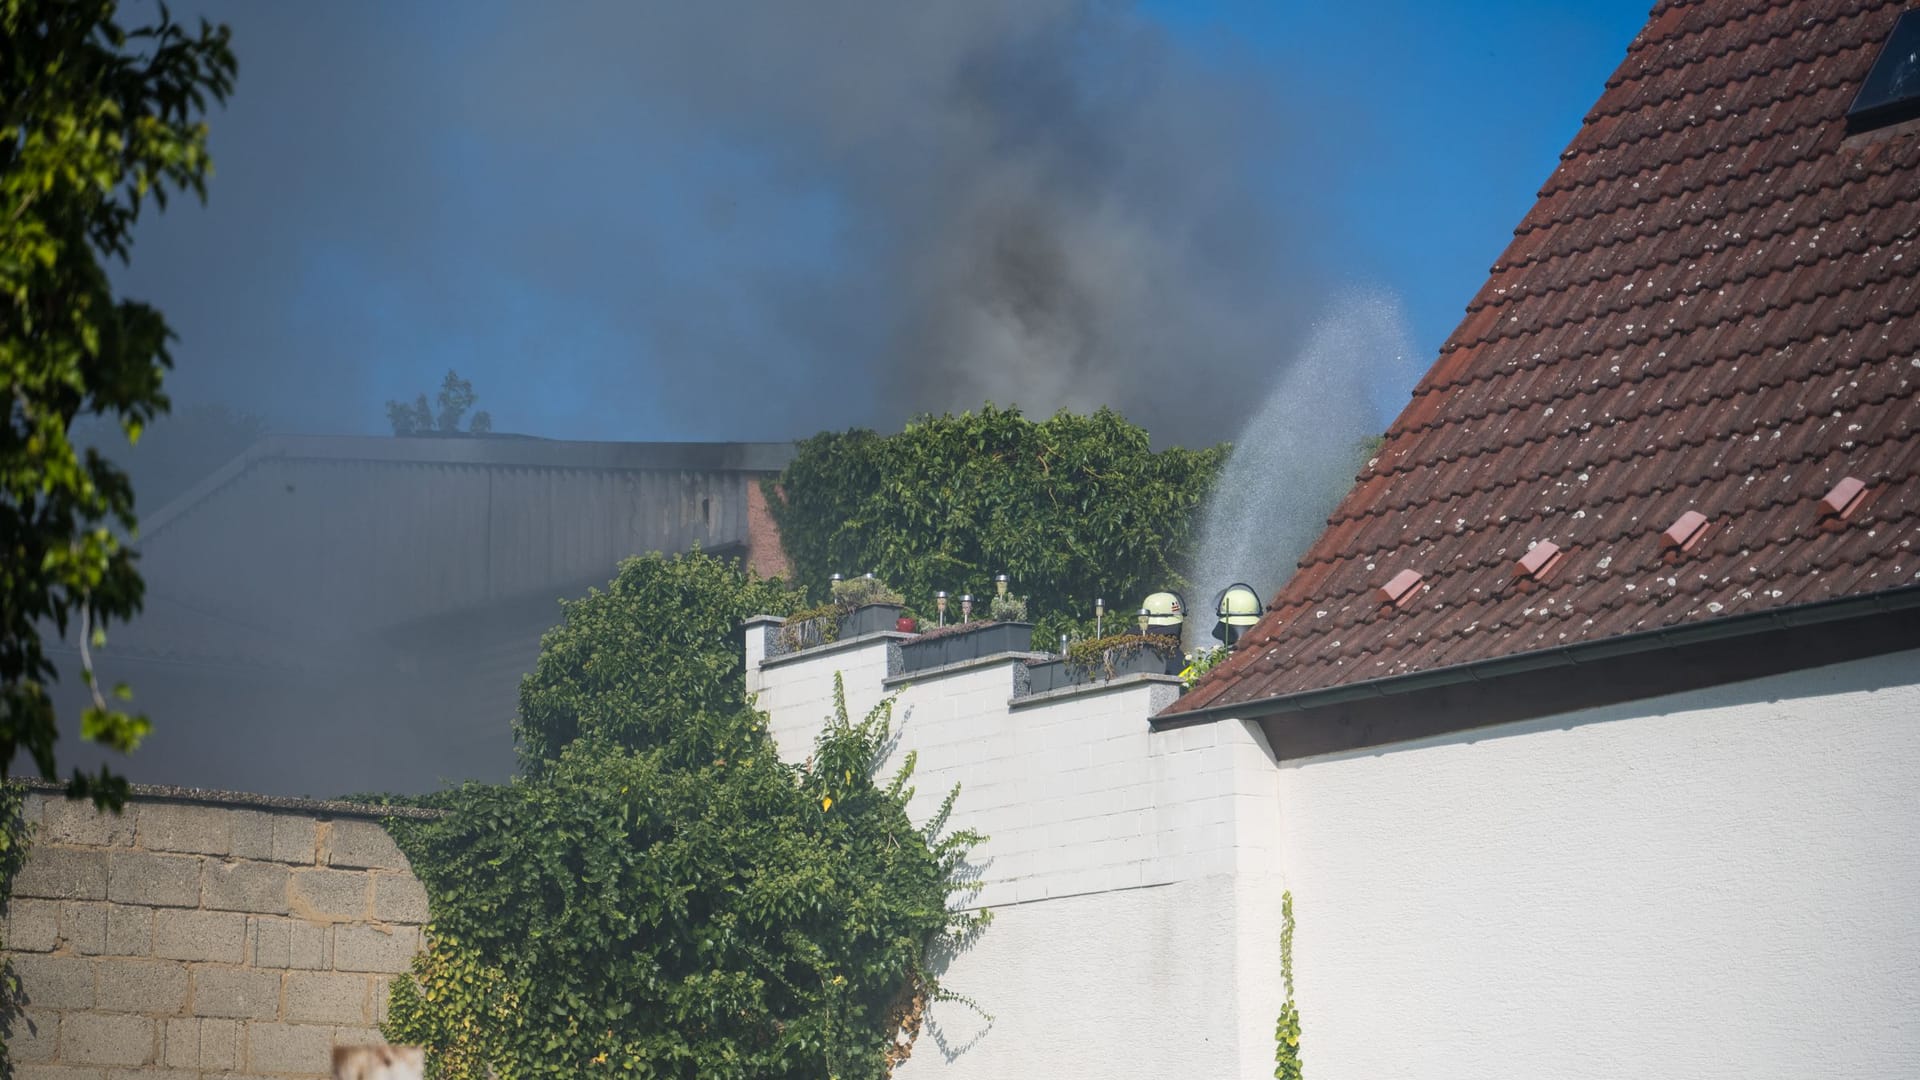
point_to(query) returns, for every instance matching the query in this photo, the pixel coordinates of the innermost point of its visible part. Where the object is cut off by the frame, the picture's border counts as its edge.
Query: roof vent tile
(1402, 589)
(1539, 561)
(1844, 499)
(1686, 533)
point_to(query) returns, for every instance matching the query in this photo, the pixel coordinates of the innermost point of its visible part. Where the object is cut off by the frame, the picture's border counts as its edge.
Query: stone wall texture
(186, 939)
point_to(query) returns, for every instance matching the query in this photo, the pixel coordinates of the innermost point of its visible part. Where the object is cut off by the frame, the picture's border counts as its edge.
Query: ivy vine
(1286, 1033)
(16, 835)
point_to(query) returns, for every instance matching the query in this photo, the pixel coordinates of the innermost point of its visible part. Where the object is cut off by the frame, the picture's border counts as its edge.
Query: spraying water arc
(1299, 454)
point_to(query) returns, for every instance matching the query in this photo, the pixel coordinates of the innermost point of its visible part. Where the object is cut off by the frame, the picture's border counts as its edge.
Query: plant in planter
(867, 606)
(1121, 654)
(1202, 661)
(858, 592)
(957, 642)
(860, 606)
(808, 627)
(1008, 608)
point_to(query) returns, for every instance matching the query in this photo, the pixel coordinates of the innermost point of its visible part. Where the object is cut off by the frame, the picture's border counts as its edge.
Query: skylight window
(1892, 90)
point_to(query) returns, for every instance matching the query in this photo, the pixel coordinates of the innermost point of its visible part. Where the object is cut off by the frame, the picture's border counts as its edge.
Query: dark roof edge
(747, 457)
(248, 800)
(1733, 626)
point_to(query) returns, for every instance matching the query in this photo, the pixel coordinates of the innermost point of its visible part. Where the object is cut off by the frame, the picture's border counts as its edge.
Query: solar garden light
(834, 580)
(1000, 585)
(1063, 644)
(1099, 612)
(1142, 620)
(869, 575)
(966, 608)
(940, 605)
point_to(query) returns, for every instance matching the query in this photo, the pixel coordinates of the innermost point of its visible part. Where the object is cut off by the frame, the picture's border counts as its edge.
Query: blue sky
(651, 224)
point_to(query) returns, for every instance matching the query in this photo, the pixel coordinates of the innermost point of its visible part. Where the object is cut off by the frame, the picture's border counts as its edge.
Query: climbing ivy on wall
(661, 895)
(15, 836)
(1071, 507)
(1286, 1034)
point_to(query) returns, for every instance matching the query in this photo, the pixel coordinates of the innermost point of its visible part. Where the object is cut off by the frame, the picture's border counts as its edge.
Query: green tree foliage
(456, 396)
(695, 910)
(658, 650)
(661, 896)
(1072, 508)
(94, 121)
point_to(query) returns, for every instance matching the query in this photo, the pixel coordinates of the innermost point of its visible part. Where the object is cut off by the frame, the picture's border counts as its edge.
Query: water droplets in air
(1300, 452)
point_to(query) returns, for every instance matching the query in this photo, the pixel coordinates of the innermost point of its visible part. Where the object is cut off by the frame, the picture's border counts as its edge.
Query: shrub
(659, 648)
(695, 908)
(1071, 507)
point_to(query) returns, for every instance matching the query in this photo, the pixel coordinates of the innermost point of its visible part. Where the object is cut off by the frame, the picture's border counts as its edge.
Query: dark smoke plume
(735, 220)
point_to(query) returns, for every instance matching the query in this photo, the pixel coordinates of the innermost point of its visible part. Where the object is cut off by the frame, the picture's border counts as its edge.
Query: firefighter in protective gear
(1166, 613)
(1237, 607)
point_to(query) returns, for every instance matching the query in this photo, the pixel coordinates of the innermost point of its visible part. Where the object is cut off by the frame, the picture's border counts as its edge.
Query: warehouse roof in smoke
(316, 552)
(1681, 409)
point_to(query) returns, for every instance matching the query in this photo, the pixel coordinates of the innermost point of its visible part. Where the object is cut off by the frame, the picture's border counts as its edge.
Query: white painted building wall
(1719, 884)
(1130, 873)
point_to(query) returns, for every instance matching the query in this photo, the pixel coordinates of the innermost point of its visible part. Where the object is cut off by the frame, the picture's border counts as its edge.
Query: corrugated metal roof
(303, 545)
(1710, 309)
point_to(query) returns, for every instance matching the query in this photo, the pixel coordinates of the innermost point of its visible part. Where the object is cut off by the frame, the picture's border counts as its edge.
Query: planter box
(871, 619)
(1059, 674)
(991, 638)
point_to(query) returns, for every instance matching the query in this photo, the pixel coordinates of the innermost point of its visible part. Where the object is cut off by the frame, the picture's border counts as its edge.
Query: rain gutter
(1889, 601)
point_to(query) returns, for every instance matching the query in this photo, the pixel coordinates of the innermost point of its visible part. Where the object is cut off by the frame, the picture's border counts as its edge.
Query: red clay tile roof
(1712, 307)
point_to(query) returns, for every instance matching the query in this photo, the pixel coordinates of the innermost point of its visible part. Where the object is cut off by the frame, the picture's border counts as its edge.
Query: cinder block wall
(204, 935)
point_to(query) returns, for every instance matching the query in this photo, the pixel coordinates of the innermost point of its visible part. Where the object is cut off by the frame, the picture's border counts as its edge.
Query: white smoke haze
(1300, 452)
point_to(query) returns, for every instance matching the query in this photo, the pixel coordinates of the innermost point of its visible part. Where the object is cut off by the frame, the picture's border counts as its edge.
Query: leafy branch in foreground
(94, 121)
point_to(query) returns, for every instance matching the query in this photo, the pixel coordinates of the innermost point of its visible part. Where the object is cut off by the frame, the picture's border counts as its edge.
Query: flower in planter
(1200, 662)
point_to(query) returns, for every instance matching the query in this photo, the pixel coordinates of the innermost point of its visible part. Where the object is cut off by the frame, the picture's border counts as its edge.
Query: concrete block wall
(1132, 873)
(192, 936)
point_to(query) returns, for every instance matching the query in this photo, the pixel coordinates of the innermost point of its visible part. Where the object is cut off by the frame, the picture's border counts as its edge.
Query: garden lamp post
(966, 608)
(940, 605)
(1099, 613)
(1000, 585)
(1142, 620)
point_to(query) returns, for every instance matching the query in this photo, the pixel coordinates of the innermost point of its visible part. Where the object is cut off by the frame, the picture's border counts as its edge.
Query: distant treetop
(455, 398)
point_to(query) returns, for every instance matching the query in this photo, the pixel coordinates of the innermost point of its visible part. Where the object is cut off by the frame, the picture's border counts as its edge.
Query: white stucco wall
(1717, 884)
(1130, 873)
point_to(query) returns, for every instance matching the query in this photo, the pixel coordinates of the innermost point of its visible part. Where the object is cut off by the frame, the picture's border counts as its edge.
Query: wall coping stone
(1088, 689)
(844, 644)
(250, 801)
(959, 666)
